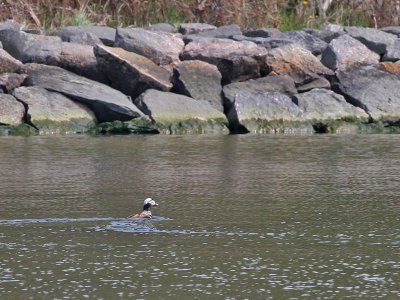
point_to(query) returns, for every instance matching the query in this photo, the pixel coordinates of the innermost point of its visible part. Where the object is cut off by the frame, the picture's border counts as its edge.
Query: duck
(146, 213)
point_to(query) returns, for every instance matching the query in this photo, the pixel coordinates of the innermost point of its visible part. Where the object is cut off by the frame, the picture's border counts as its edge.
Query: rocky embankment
(198, 78)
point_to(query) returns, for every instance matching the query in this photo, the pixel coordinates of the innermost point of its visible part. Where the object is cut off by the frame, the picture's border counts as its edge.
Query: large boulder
(282, 84)
(328, 34)
(12, 112)
(262, 32)
(199, 80)
(298, 63)
(372, 89)
(51, 112)
(222, 32)
(73, 33)
(193, 28)
(236, 61)
(346, 52)
(131, 73)
(10, 81)
(163, 27)
(107, 103)
(303, 39)
(161, 47)
(321, 105)
(375, 39)
(261, 112)
(10, 24)
(8, 64)
(175, 113)
(392, 52)
(50, 50)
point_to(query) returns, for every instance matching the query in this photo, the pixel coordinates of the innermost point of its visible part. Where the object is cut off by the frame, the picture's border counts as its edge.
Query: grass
(249, 14)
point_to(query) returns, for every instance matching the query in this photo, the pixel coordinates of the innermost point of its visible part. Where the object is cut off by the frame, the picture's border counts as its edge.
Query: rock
(276, 42)
(346, 52)
(199, 80)
(334, 27)
(193, 28)
(374, 90)
(262, 32)
(320, 104)
(392, 52)
(81, 60)
(161, 47)
(10, 24)
(12, 112)
(141, 125)
(236, 61)
(104, 33)
(298, 63)
(390, 67)
(175, 113)
(325, 35)
(163, 27)
(255, 40)
(319, 83)
(131, 73)
(8, 64)
(282, 84)
(260, 112)
(50, 50)
(51, 112)
(223, 32)
(376, 40)
(107, 103)
(31, 47)
(85, 38)
(10, 81)
(303, 39)
(391, 29)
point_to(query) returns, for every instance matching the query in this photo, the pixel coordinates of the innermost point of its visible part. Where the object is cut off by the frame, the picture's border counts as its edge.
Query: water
(240, 217)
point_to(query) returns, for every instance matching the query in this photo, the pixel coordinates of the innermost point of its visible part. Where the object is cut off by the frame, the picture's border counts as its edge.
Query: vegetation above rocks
(283, 14)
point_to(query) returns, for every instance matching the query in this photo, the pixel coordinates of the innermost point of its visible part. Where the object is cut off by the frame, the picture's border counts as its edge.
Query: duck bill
(155, 204)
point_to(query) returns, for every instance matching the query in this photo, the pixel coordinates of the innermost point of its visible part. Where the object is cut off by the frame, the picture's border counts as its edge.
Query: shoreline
(199, 79)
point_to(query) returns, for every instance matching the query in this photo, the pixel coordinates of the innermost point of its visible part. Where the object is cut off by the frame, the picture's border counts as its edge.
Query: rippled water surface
(240, 217)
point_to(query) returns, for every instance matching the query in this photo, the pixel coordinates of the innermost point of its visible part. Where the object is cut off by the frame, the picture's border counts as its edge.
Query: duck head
(148, 203)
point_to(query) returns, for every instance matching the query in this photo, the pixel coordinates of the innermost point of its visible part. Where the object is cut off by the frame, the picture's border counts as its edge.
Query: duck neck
(146, 207)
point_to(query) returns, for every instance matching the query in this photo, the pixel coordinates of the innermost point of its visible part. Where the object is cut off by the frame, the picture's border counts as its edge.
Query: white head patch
(149, 201)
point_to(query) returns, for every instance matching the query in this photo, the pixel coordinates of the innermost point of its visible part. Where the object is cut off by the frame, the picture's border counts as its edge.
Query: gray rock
(131, 73)
(223, 32)
(303, 39)
(85, 38)
(10, 24)
(391, 29)
(193, 28)
(107, 103)
(282, 84)
(104, 33)
(262, 32)
(161, 47)
(10, 81)
(392, 52)
(257, 112)
(199, 80)
(177, 113)
(276, 42)
(346, 52)
(12, 112)
(31, 47)
(334, 28)
(51, 112)
(236, 61)
(256, 40)
(163, 27)
(319, 83)
(50, 50)
(374, 90)
(325, 35)
(376, 40)
(8, 64)
(320, 104)
(298, 63)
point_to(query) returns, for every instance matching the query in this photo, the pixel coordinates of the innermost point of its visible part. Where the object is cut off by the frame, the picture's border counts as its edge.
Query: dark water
(240, 217)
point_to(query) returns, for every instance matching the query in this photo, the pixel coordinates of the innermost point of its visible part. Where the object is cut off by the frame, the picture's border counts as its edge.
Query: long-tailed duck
(146, 213)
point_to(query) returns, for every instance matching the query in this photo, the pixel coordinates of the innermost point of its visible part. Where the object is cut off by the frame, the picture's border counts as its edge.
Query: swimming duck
(146, 213)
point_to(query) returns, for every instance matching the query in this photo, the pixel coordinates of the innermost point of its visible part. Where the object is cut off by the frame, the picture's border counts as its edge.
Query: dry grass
(286, 14)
